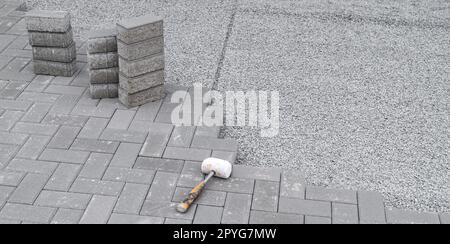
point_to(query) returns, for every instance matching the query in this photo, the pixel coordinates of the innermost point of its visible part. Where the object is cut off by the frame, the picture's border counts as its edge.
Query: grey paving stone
(182, 136)
(215, 144)
(396, 216)
(246, 172)
(345, 214)
(142, 66)
(134, 219)
(163, 187)
(104, 76)
(9, 118)
(27, 213)
(102, 41)
(314, 220)
(9, 222)
(29, 189)
(99, 210)
(170, 221)
(64, 103)
(51, 39)
(32, 166)
(142, 82)
(35, 129)
(38, 97)
(141, 97)
(208, 215)
(63, 177)
(138, 29)
(64, 138)
(293, 185)
(15, 104)
(237, 209)
(95, 166)
(265, 197)
(10, 178)
(131, 199)
(65, 119)
(155, 143)
(121, 119)
(208, 197)
(227, 156)
(261, 217)
(6, 153)
(94, 186)
(99, 91)
(190, 154)
(33, 147)
(331, 195)
(48, 21)
(123, 136)
(66, 90)
(192, 166)
(13, 138)
(126, 155)
(58, 199)
(445, 219)
(305, 207)
(5, 193)
(55, 54)
(166, 210)
(94, 145)
(67, 216)
(129, 175)
(65, 156)
(190, 178)
(147, 112)
(371, 208)
(54, 68)
(93, 128)
(167, 165)
(39, 84)
(103, 60)
(141, 49)
(235, 185)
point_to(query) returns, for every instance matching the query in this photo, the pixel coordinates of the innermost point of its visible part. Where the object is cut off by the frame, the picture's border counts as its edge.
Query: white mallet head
(221, 168)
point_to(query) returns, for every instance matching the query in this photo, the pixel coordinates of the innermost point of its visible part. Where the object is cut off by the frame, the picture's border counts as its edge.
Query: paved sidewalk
(66, 158)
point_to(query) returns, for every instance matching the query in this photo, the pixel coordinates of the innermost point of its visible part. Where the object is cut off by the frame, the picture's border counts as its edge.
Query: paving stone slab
(156, 142)
(104, 76)
(293, 184)
(163, 187)
(396, 216)
(142, 82)
(261, 217)
(93, 128)
(67, 216)
(48, 21)
(189, 154)
(331, 195)
(445, 219)
(265, 196)
(134, 219)
(246, 172)
(95, 166)
(123, 136)
(166, 210)
(29, 189)
(170, 221)
(126, 155)
(371, 208)
(65, 156)
(93, 145)
(141, 49)
(208, 215)
(94, 186)
(57, 199)
(314, 220)
(208, 197)
(63, 177)
(142, 66)
(227, 156)
(51, 39)
(305, 207)
(65, 119)
(190, 178)
(14, 138)
(345, 214)
(99, 210)
(10, 178)
(167, 165)
(99, 91)
(27, 213)
(64, 138)
(141, 97)
(235, 185)
(54, 68)
(215, 144)
(237, 209)
(55, 54)
(103, 41)
(32, 166)
(129, 175)
(138, 29)
(131, 199)
(103, 60)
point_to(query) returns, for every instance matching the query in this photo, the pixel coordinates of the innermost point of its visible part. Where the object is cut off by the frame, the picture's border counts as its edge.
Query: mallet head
(221, 168)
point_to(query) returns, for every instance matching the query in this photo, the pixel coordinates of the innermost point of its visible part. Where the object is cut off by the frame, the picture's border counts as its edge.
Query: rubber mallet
(210, 167)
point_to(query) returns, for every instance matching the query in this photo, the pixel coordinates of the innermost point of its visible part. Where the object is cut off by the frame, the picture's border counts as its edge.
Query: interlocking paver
(314, 220)
(9, 118)
(64, 138)
(121, 119)
(64, 119)
(371, 208)
(63, 200)
(15, 104)
(292, 184)
(63, 177)
(95, 166)
(9, 178)
(68, 90)
(345, 214)
(37, 112)
(94, 186)
(5, 192)
(67, 216)
(305, 207)
(215, 144)
(331, 195)
(208, 197)
(163, 187)
(265, 196)
(33, 147)
(246, 172)
(93, 128)
(126, 155)
(99, 210)
(159, 164)
(134, 219)
(235, 185)
(237, 209)
(123, 136)
(13, 138)
(182, 136)
(147, 112)
(190, 154)
(38, 97)
(396, 216)
(227, 156)
(208, 215)
(261, 217)
(129, 175)
(65, 156)
(131, 199)
(156, 141)
(29, 213)
(29, 189)
(94, 145)
(37, 129)
(445, 219)
(170, 221)
(6, 153)
(190, 178)
(32, 166)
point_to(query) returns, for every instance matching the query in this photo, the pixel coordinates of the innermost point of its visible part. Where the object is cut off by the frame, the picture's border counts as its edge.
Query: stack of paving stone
(54, 51)
(141, 60)
(103, 64)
